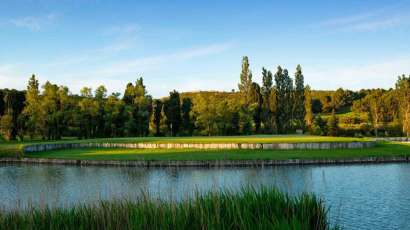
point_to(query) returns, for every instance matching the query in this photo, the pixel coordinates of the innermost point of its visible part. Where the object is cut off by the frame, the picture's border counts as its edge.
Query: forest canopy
(280, 104)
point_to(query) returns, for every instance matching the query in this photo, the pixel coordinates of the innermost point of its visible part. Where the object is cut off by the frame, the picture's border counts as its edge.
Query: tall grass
(265, 208)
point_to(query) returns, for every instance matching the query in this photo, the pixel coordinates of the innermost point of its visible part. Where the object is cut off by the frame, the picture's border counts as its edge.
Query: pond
(374, 196)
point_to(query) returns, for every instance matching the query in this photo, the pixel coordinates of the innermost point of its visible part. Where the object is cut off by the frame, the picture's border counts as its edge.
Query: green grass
(248, 209)
(385, 149)
(14, 148)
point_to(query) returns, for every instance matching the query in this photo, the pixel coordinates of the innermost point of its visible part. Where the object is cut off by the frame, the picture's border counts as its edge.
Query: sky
(198, 45)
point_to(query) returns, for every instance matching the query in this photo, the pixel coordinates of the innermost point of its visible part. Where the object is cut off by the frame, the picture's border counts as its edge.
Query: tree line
(280, 104)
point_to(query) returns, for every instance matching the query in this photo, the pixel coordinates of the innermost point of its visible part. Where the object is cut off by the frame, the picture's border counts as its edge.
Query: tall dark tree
(299, 109)
(187, 124)
(157, 116)
(14, 104)
(267, 116)
(143, 108)
(100, 97)
(245, 85)
(280, 98)
(172, 108)
(284, 96)
(138, 109)
(256, 100)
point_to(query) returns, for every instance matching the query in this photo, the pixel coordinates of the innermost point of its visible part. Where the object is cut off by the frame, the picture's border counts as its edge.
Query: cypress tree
(267, 89)
(245, 85)
(299, 99)
(280, 98)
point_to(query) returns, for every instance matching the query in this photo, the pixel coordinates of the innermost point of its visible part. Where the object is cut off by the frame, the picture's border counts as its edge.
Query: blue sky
(198, 45)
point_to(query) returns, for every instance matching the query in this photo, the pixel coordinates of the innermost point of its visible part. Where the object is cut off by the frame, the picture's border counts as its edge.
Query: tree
(267, 83)
(50, 127)
(143, 103)
(129, 93)
(280, 98)
(308, 107)
(7, 126)
(186, 108)
(245, 119)
(299, 109)
(318, 126)
(138, 109)
(100, 96)
(32, 110)
(88, 110)
(245, 84)
(206, 115)
(157, 117)
(114, 116)
(14, 104)
(256, 102)
(284, 97)
(332, 125)
(172, 108)
(268, 102)
(376, 109)
(403, 91)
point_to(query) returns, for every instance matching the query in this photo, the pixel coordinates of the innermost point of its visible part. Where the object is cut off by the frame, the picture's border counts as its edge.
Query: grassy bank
(247, 209)
(381, 150)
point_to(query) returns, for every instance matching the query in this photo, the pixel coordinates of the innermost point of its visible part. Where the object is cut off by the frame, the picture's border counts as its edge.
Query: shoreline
(206, 163)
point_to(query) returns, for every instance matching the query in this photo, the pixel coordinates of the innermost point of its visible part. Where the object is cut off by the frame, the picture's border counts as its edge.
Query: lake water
(373, 196)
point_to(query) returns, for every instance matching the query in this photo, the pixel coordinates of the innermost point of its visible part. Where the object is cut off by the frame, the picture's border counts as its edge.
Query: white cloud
(142, 64)
(381, 74)
(368, 21)
(115, 75)
(33, 23)
(122, 38)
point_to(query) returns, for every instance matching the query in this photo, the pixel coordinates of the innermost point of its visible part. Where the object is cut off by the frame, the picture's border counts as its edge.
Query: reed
(262, 208)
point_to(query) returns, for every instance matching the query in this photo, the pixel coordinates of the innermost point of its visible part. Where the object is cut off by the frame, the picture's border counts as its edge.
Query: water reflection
(359, 196)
